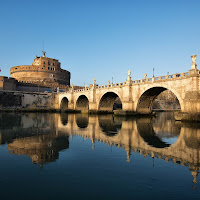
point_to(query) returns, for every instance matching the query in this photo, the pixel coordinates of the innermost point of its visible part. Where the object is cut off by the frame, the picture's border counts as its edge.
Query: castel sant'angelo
(43, 70)
(44, 74)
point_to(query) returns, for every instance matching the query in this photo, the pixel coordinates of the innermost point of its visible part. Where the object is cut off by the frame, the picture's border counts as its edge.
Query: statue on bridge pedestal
(129, 81)
(194, 65)
(94, 81)
(129, 75)
(145, 76)
(72, 87)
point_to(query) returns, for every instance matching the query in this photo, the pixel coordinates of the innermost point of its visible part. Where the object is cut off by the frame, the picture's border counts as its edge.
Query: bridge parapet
(112, 85)
(141, 81)
(161, 78)
(82, 90)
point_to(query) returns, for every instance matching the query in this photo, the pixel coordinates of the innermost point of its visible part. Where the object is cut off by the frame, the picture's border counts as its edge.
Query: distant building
(43, 71)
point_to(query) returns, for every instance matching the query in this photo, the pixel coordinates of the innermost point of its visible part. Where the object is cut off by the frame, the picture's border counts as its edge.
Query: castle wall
(32, 88)
(7, 83)
(39, 74)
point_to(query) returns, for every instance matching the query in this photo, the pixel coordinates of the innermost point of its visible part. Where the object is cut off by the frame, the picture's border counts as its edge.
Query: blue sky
(101, 39)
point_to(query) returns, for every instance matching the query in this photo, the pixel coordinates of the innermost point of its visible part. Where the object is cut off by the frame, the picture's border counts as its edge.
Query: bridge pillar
(128, 105)
(93, 106)
(127, 101)
(92, 100)
(190, 110)
(71, 105)
(192, 95)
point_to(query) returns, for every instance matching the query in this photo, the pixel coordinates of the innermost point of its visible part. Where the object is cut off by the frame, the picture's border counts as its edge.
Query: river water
(74, 156)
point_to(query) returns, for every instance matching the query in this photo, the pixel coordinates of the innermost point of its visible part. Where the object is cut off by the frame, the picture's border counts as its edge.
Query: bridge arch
(82, 103)
(107, 100)
(64, 104)
(148, 95)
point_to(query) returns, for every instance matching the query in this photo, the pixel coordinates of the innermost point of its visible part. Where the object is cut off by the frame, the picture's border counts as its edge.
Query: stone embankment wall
(27, 100)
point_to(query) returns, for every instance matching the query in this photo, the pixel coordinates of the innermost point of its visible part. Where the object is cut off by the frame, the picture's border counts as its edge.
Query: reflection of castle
(41, 149)
(33, 135)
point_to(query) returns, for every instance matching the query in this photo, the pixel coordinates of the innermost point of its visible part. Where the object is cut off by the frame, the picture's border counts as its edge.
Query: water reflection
(41, 148)
(43, 136)
(165, 128)
(82, 121)
(33, 135)
(109, 125)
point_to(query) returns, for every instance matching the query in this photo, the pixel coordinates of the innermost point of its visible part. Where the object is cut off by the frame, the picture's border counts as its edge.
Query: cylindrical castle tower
(43, 70)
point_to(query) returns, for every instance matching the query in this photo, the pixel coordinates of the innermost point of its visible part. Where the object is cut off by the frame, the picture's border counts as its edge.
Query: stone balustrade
(141, 81)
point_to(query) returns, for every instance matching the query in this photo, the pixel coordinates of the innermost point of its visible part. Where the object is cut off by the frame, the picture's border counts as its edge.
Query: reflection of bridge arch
(64, 103)
(148, 95)
(82, 121)
(82, 103)
(109, 126)
(107, 101)
(64, 118)
(148, 135)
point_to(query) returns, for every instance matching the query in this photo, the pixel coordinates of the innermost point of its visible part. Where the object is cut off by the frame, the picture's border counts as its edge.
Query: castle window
(44, 62)
(16, 68)
(53, 64)
(48, 68)
(48, 63)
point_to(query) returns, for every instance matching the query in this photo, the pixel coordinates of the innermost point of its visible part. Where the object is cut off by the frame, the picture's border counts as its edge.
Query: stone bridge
(136, 96)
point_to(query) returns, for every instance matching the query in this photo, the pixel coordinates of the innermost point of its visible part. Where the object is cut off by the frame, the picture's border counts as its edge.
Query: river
(76, 156)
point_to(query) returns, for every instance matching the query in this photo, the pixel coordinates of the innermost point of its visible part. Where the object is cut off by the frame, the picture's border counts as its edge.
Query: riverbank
(40, 110)
(179, 116)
